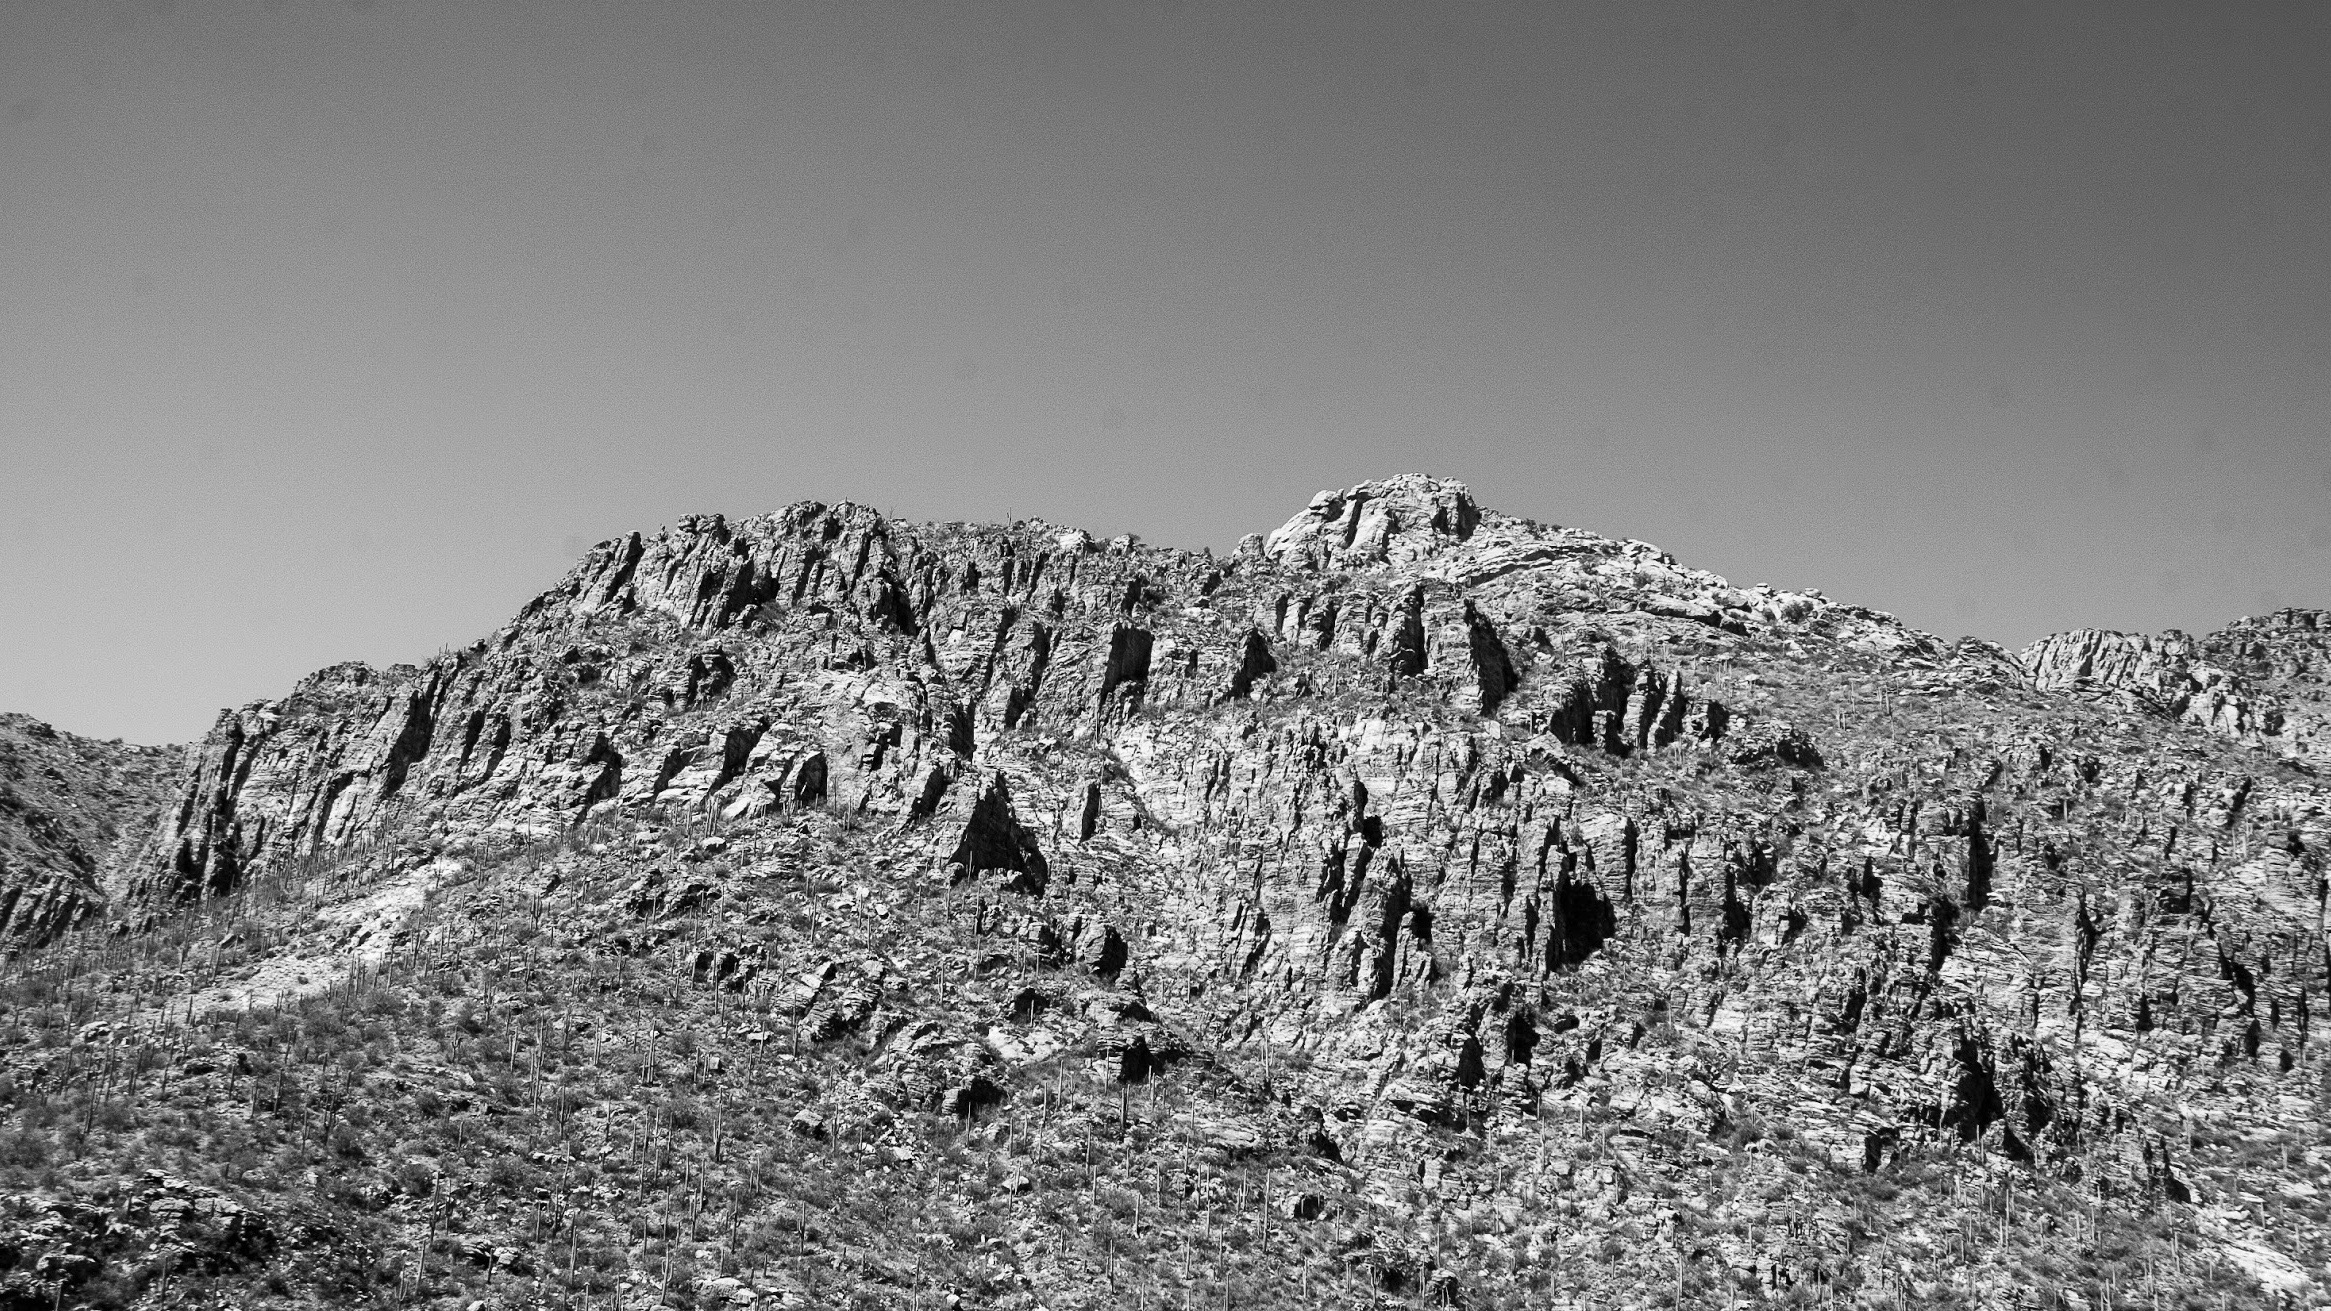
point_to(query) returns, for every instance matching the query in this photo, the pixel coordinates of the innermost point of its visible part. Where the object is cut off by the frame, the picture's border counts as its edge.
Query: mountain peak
(1396, 520)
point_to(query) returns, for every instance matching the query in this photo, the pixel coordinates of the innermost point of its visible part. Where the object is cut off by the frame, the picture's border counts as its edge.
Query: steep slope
(65, 801)
(1421, 902)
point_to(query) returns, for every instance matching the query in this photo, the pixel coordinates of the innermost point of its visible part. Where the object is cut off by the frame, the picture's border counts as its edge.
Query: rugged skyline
(1416, 905)
(338, 329)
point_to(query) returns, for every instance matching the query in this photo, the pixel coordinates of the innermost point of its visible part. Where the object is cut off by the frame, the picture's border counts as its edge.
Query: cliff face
(831, 654)
(1460, 833)
(65, 803)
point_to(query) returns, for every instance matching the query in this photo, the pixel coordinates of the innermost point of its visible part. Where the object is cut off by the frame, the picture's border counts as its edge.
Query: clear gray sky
(335, 331)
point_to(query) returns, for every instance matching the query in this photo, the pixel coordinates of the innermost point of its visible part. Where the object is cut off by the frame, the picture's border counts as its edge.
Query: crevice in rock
(995, 840)
(1493, 668)
(1254, 662)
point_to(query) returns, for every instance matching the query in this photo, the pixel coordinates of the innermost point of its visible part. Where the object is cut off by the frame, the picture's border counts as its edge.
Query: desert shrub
(511, 1175)
(25, 1149)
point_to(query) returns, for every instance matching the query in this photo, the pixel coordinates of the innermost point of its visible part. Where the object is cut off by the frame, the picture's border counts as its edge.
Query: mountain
(66, 803)
(2260, 681)
(1421, 904)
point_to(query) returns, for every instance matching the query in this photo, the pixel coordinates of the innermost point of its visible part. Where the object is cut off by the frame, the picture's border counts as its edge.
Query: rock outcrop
(58, 1252)
(2263, 681)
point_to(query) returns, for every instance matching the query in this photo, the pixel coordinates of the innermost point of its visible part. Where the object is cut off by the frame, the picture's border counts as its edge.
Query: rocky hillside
(1420, 904)
(2263, 681)
(65, 803)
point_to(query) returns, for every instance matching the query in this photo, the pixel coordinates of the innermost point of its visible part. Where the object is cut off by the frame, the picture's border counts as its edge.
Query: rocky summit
(1420, 905)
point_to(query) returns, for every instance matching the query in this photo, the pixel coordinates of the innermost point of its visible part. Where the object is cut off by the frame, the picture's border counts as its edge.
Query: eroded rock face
(2265, 681)
(1481, 818)
(65, 804)
(827, 656)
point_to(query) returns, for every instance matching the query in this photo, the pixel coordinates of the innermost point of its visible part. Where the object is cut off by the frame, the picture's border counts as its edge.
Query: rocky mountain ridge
(68, 805)
(2264, 681)
(1551, 922)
